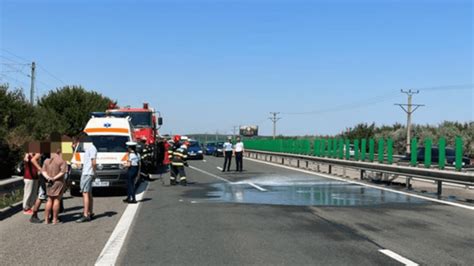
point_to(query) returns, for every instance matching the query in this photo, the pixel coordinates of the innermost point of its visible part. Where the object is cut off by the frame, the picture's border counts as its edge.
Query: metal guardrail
(439, 176)
(9, 184)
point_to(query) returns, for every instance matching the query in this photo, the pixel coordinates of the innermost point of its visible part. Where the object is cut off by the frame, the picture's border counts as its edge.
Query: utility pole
(235, 130)
(274, 119)
(32, 89)
(409, 112)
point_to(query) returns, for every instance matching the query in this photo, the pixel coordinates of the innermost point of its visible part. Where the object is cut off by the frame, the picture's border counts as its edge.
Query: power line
(12, 78)
(449, 88)
(349, 106)
(26, 60)
(51, 74)
(16, 70)
(17, 56)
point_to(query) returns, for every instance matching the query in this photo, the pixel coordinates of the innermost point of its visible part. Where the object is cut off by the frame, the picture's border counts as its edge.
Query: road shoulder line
(257, 187)
(111, 251)
(397, 257)
(210, 174)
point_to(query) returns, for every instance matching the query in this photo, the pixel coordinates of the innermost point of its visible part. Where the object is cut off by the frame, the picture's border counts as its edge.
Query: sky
(210, 65)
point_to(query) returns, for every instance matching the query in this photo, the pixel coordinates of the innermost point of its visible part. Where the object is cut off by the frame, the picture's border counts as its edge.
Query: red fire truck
(146, 125)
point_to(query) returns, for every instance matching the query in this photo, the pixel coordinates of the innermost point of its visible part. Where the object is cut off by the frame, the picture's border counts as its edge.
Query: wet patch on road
(304, 191)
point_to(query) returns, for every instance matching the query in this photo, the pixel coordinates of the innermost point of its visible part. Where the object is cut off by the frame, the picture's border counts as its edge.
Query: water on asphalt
(304, 191)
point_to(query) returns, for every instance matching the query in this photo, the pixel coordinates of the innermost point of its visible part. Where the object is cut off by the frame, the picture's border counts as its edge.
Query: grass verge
(11, 198)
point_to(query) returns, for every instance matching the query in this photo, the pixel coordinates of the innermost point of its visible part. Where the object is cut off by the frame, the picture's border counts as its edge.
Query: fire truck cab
(145, 130)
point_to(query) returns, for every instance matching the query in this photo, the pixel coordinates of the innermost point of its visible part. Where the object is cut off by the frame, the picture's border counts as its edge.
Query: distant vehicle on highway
(195, 150)
(219, 149)
(210, 148)
(450, 156)
(351, 150)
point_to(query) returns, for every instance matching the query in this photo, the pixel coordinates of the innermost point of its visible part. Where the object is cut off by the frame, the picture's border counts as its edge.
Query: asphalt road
(266, 215)
(69, 243)
(199, 225)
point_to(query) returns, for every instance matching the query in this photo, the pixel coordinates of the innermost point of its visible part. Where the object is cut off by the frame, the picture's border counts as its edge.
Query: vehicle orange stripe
(106, 130)
(125, 157)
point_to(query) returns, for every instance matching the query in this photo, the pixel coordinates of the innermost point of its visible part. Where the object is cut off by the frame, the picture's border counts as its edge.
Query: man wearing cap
(88, 173)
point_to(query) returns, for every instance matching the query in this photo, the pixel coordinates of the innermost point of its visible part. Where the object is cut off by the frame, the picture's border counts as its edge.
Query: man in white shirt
(88, 173)
(227, 150)
(239, 154)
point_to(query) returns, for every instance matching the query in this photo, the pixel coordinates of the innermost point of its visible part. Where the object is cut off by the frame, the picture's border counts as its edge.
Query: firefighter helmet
(176, 138)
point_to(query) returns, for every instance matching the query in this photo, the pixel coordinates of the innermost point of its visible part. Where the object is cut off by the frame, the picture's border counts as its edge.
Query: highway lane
(265, 215)
(202, 225)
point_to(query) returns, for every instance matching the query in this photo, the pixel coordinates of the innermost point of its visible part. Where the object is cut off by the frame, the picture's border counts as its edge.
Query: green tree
(15, 123)
(68, 109)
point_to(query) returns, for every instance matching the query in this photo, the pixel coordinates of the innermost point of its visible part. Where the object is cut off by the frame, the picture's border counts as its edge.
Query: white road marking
(366, 185)
(223, 179)
(207, 173)
(111, 251)
(193, 201)
(398, 258)
(204, 160)
(257, 187)
(220, 168)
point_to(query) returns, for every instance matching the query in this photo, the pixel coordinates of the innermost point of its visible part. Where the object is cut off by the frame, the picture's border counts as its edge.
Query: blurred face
(33, 147)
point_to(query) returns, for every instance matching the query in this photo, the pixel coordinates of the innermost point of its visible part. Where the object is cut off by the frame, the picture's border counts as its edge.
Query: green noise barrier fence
(363, 150)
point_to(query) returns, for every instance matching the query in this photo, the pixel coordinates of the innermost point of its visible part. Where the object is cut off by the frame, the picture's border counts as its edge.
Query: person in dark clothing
(227, 150)
(239, 154)
(160, 152)
(178, 155)
(132, 164)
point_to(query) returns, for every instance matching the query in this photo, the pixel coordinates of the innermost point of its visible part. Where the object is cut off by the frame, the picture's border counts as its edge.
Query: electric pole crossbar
(408, 108)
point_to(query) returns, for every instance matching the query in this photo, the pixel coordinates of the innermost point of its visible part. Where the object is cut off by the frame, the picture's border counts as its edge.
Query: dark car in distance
(195, 150)
(210, 148)
(450, 157)
(219, 149)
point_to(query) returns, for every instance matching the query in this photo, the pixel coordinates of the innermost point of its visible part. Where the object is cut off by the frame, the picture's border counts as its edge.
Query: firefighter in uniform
(178, 155)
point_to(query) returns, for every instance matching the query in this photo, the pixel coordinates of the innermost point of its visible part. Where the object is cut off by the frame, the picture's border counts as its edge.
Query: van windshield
(107, 143)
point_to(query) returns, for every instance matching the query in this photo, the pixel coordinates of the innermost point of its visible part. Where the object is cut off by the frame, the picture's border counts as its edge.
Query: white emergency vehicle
(109, 134)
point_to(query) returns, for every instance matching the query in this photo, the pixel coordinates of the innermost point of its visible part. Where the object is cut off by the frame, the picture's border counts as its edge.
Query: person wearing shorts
(42, 197)
(88, 173)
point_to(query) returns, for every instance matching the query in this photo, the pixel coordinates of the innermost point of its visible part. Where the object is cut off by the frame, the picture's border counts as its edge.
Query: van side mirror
(160, 121)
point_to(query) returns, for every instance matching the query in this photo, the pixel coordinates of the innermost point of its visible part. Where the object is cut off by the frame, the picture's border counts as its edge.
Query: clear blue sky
(209, 65)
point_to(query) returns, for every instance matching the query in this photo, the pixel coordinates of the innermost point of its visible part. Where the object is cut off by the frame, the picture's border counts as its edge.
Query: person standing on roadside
(88, 173)
(30, 178)
(42, 197)
(132, 164)
(53, 171)
(239, 154)
(227, 151)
